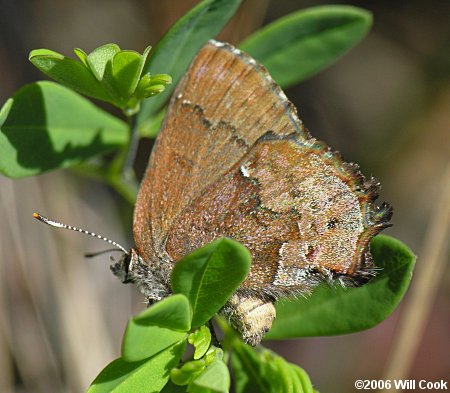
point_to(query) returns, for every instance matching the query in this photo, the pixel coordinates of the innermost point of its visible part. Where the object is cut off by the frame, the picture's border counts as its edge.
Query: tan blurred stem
(428, 275)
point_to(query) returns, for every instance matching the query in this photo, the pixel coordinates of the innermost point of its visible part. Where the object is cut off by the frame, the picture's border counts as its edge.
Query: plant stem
(214, 339)
(131, 149)
(127, 188)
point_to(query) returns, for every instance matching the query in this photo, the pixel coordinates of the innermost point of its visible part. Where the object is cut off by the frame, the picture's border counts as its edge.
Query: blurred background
(385, 105)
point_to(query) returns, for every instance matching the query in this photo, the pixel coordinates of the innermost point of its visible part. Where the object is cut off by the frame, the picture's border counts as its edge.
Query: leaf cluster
(107, 73)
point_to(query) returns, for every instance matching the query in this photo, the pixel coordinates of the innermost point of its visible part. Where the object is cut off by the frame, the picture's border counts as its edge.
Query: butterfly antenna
(57, 224)
(97, 253)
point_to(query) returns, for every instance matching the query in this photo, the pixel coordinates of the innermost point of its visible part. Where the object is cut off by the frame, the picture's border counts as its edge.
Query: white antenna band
(64, 226)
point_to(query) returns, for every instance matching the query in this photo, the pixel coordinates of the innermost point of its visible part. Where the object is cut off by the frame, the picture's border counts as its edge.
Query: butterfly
(233, 160)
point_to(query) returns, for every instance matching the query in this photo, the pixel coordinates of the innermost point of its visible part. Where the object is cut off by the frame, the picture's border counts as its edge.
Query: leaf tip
(44, 53)
(4, 111)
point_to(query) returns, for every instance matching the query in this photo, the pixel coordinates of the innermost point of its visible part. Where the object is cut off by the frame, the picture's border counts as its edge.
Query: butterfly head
(126, 266)
(129, 268)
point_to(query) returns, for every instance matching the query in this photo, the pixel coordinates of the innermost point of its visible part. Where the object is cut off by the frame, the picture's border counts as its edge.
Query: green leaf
(141, 342)
(4, 112)
(251, 373)
(187, 372)
(150, 127)
(209, 275)
(201, 340)
(304, 379)
(330, 311)
(173, 312)
(191, 370)
(81, 54)
(126, 70)
(150, 85)
(100, 57)
(69, 73)
(156, 328)
(49, 126)
(145, 376)
(261, 370)
(122, 75)
(288, 379)
(294, 378)
(215, 378)
(212, 354)
(107, 73)
(172, 388)
(301, 44)
(180, 44)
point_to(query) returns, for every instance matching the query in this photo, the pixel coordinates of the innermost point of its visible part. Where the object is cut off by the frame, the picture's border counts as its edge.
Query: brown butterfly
(233, 159)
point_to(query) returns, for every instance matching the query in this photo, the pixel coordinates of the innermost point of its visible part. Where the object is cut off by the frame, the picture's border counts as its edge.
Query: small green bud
(188, 372)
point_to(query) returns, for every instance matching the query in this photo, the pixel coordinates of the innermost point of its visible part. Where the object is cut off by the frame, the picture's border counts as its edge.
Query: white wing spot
(281, 250)
(245, 171)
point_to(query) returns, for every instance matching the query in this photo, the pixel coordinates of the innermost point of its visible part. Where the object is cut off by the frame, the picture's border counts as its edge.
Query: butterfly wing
(223, 105)
(304, 214)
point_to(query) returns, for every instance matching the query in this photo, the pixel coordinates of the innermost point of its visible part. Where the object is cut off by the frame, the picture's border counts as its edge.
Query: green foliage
(159, 334)
(107, 73)
(331, 311)
(209, 373)
(262, 371)
(215, 378)
(125, 377)
(47, 126)
(187, 372)
(153, 344)
(172, 388)
(200, 276)
(301, 44)
(201, 340)
(169, 320)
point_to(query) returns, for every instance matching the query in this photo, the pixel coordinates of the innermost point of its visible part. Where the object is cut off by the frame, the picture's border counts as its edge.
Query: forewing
(222, 106)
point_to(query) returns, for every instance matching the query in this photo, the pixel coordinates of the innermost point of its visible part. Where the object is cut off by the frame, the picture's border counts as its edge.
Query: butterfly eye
(121, 268)
(127, 267)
